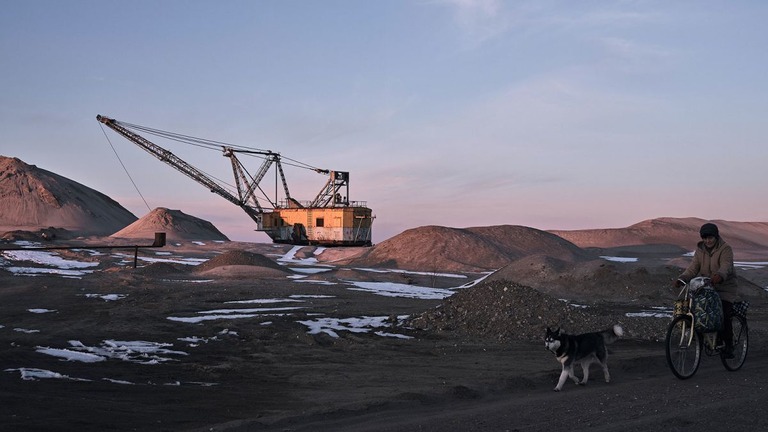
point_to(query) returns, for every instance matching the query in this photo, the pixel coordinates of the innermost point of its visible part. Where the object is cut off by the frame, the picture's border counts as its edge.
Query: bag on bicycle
(707, 310)
(740, 308)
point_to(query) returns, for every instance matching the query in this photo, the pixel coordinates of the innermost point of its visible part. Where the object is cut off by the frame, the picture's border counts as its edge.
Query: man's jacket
(720, 261)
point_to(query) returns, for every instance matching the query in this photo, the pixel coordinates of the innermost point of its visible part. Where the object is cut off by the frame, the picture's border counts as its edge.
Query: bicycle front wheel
(740, 344)
(683, 347)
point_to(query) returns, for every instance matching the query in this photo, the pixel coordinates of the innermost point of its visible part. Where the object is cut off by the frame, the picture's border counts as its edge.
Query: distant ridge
(32, 199)
(438, 248)
(748, 239)
(176, 225)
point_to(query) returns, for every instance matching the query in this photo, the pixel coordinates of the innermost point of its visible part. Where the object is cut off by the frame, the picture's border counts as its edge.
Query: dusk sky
(548, 114)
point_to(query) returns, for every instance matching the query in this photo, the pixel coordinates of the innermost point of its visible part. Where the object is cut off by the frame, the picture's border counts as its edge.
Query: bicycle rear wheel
(740, 344)
(683, 347)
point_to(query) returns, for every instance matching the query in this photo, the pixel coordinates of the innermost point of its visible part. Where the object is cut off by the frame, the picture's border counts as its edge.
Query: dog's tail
(612, 334)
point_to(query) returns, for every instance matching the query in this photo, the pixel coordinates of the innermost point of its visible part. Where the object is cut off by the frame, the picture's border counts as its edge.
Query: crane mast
(329, 219)
(254, 211)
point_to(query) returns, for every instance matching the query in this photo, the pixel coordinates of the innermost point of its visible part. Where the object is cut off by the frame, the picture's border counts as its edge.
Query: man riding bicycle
(713, 258)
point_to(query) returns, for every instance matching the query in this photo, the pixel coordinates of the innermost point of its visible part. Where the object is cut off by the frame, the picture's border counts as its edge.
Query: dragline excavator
(331, 219)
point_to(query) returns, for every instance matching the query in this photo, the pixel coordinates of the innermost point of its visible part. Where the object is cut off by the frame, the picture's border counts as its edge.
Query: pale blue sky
(549, 114)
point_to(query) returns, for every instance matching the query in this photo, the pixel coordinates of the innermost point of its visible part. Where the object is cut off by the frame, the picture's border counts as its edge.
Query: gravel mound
(40, 235)
(176, 224)
(506, 311)
(161, 269)
(436, 248)
(238, 258)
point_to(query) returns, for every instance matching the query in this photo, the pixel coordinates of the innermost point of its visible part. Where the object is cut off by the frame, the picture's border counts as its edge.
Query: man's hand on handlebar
(716, 279)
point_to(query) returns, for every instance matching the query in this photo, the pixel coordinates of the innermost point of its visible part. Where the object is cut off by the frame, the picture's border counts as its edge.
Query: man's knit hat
(709, 230)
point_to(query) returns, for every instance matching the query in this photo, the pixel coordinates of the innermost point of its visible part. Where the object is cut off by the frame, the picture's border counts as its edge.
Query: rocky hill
(34, 199)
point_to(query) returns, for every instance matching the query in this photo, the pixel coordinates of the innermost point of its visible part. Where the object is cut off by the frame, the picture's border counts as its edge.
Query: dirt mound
(434, 248)
(749, 239)
(161, 269)
(45, 234)
(508, 311)
(174, 223)
(593, 280)
(34, 198)
(239, 258)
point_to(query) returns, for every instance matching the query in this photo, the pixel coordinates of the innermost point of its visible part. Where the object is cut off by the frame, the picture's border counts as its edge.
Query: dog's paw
(581, 383)
(557, 389)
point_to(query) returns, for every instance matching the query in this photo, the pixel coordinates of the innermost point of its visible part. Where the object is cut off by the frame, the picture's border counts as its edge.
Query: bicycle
(685, 343)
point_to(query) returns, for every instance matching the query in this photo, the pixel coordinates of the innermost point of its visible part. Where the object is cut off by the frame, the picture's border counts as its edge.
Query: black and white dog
(583, 349)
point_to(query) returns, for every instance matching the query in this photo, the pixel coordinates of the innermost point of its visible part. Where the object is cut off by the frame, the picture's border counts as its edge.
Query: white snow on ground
(290, 257)
(26, 243)
(114, 381)
(32, 374)
(655, 312)
(390, 289)
(317, 282)
(355, 325)
(393, 335)
(619, 259)
(36, 271)
(474, 282)
(197, 320)
(746, 265)
(141, 352)
(248, 310)
(35, 374)
(303, 265)
(71, 355)
(194, 341)
(194, 281)
(47, 258)
(228, 314)
(128, 258)
(148, 353)
(263, 301)
(54, 263)
(448, 275)
(107, 297)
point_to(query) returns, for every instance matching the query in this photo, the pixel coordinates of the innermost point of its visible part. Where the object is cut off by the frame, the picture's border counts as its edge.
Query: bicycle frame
(686, 305)
(685, 308)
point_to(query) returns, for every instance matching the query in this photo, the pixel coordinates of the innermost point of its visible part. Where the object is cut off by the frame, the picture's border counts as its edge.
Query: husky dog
(583, 349)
